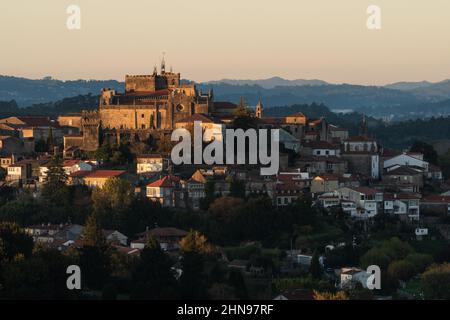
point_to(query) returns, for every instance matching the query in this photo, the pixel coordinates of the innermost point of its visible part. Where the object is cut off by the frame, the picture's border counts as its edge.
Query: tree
(193, 279)
(340, 295)
(95, 257)
(237, 188)
(55, 188)
(401, 270)
(112, 202)
(194, 241)
(153, 277)
(429, 154)
(436, 281)
(14, 242)
(315, 268)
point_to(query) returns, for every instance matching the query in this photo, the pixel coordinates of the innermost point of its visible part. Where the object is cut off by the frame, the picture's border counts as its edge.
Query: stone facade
(150, 104)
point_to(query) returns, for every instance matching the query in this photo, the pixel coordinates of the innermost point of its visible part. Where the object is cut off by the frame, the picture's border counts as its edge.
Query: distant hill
(27, 92)
(433, 91)
(51, 109)
(402, 100)
(342, 96)
(269, 83)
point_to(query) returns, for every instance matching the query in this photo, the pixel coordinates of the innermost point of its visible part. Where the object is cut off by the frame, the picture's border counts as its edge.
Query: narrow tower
(259, 110)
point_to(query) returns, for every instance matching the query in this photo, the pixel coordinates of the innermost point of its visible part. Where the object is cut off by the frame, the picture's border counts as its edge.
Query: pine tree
(55, 179)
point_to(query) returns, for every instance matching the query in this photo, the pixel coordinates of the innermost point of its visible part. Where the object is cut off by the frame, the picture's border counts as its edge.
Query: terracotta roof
(296, 115)
(105, 173)
(359, 138)
(167, 232)
(70, 163)
(365, 190)
(79, 174)
(164, 182)
(401, 196)
(436, 198)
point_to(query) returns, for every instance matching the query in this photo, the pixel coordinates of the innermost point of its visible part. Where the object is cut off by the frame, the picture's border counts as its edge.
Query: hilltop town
(100, 188)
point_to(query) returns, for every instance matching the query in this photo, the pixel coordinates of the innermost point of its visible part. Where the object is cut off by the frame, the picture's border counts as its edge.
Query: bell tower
(259, 110)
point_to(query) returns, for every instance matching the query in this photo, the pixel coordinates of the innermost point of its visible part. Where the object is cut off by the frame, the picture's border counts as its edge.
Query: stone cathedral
(150, 105)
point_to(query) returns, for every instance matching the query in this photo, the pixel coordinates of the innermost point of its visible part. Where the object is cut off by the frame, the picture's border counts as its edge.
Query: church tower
(363, 129)
(259, 110)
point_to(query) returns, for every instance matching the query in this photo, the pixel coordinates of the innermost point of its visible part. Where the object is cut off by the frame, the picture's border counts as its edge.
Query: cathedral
(150, 105)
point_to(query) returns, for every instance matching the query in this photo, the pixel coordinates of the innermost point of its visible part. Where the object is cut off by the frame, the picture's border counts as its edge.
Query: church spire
(363, 127)
(163, 63)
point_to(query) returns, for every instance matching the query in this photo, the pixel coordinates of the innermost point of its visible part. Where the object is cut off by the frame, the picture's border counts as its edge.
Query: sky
(235, 39)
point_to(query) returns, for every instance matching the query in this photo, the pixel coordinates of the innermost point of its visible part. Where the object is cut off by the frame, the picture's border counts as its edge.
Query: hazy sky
(240, 39)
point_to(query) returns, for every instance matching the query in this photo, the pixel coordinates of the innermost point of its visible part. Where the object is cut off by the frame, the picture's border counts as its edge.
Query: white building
(406, 159)
(361, 202)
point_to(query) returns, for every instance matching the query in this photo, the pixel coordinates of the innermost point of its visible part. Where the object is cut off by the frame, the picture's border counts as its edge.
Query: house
(70, 120)
(195, 192)
(11, 144)
(351, 276)
(168, 238)
(338, 134)
(52, 233)
(295, 294)
(404, 178)
(20, 171)
(69, 167)
(39, 128)
(150, 164)
(98, 178)
(361, 202)
(320, 165)
(6, 161)
(116, 237)
(167, 191)
(406, 159)
(320, 149)
(405, 205)
(436, 204)
(324, 183)
(290, 186)
(215, 127)
(289, 141)
(434, 173)
(362, 154)
(327, 200)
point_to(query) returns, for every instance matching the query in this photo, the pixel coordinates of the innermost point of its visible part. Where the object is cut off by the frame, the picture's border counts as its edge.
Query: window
(142, 115)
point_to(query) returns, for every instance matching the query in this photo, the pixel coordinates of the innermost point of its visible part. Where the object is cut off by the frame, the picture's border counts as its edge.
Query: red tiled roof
(105, 173)
(296, 115)
(436, 198)
(365, 190)
(359, 138)
(79, 174)
(164, 182)
(70, 163)
(402, 196)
